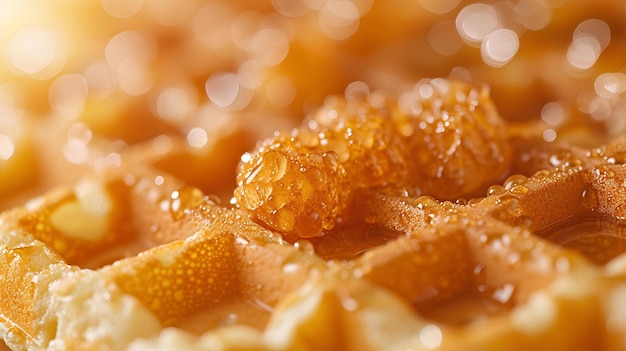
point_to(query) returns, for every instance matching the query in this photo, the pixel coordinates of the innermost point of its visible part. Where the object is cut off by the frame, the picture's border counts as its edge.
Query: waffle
(162, 207)
(138, 258)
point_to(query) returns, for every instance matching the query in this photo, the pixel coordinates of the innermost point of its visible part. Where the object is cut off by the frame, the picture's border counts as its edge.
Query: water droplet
(508, 202)
(605, 171)
(560, 159)
(519, 190)
(426, 202)
(329, 222)
(515, 181)
(542, 174)
(495, 190)
(619, 157)
(589, 197)
(253, 196)
(475, 200)
(184, 199)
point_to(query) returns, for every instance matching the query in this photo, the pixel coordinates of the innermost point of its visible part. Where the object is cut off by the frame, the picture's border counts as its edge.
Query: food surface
(437, 143)
(313, 175)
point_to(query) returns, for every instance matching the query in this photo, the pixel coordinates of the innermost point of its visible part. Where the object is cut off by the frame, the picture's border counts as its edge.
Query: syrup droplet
(542, 174)
(519, 190)
(589, 197)
(619, 157)
(496, 190)
(184, 199)
(426, 202)
(508, 202)
(564, 159)
(515, 181)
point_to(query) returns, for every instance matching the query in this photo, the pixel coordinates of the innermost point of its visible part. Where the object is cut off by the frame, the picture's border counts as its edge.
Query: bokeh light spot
(499, 47)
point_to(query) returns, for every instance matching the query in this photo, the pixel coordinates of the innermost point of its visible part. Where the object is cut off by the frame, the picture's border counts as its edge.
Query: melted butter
(599, 237)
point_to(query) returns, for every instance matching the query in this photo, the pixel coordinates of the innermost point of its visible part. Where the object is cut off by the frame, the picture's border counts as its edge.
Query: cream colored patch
(617, 266)
(616, 310)
(87, 217)
(79, 308)
(226, 338)
(538, 315)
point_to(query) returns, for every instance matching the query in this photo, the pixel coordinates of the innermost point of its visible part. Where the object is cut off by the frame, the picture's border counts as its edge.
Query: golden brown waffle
(404, 214)
(138, 258)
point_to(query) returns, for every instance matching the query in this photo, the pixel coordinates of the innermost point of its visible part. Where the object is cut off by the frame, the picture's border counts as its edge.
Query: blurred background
(83, 80)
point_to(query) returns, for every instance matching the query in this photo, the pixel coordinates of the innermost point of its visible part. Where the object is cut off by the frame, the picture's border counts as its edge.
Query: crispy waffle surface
(401, 213)
(135, 258)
